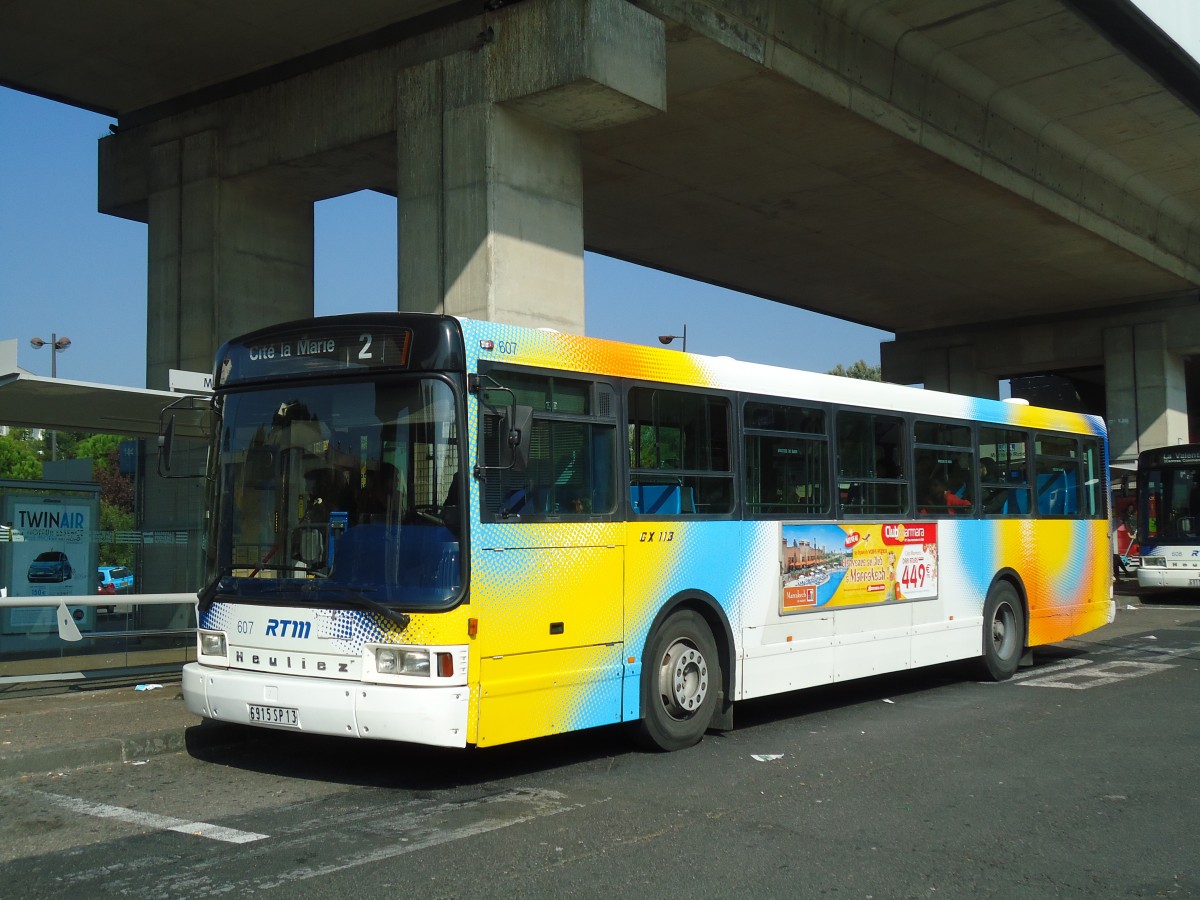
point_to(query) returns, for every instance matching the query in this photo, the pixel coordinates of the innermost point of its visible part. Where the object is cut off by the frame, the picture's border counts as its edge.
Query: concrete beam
(861, 56)
(580, 65)
(1142, 349)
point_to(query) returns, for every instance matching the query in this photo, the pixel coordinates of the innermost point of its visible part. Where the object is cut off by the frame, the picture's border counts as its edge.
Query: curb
(86, 754)
(114, 751)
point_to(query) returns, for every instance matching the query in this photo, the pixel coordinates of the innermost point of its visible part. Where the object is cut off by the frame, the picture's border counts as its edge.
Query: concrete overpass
(1010, 187)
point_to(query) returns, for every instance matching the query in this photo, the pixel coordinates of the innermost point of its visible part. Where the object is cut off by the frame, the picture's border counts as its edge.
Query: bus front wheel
(682, 678)
(1003, 632)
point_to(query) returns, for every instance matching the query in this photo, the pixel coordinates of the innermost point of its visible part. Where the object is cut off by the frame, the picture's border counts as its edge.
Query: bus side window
(786, 453)
(572, 467)
(680, 446)
(870, 453)
(1003, 471)
(1056, 458)
(944, 463)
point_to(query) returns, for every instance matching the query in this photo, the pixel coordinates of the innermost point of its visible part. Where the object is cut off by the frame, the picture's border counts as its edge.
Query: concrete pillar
(952, 367)
(490, 209)
(224, 256)
(1145, 389)
(490, 185)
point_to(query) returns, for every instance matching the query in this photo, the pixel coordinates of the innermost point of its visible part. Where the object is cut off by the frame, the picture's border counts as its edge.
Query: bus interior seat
(661, 499)
(410, 555)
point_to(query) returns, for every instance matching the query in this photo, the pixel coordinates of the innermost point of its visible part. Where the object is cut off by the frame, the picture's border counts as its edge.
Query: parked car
(51, 565)
(114, 580)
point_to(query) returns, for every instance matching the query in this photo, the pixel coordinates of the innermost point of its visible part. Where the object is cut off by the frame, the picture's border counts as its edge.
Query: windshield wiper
(351, 596)
(208, 593)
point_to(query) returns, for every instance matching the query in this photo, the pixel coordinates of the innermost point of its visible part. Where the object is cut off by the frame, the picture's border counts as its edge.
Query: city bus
(462, 533)
(1168, 517)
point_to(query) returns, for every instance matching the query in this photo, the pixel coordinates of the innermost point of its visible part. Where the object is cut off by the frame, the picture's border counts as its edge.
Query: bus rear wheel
(682, 680)
(1003, 632)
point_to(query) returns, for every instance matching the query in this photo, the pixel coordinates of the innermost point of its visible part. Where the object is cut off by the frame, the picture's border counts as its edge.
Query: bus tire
(682, 681)
(1003, 632)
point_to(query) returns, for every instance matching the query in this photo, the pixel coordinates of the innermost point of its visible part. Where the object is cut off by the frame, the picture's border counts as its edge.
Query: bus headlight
(415, 666)
(212, 643)
(1154, 562)
(397, 661)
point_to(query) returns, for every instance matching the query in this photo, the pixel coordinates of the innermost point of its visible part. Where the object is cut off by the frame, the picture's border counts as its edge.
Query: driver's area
(352, 485)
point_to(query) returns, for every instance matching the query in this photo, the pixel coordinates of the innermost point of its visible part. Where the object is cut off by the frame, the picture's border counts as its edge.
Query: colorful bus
(1168, 517)
(452, 532)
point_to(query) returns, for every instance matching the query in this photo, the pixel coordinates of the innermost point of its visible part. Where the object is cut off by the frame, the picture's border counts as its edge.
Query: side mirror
(166, 441)
(514, 428)
(518, 422)
(192, 418)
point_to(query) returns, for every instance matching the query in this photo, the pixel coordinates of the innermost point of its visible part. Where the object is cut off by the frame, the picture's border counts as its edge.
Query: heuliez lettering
(288, 662)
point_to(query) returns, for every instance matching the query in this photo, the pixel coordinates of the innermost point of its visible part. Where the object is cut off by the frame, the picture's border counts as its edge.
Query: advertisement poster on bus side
(856, 564)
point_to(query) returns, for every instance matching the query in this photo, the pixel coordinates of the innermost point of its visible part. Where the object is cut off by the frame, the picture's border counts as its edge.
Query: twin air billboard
(49, 553)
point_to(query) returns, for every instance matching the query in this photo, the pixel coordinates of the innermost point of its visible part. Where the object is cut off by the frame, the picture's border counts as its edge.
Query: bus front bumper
(436, 716)
(1161, 577)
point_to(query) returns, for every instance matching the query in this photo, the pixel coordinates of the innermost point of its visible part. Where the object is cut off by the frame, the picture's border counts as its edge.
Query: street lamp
(667, 338)
(57, 346)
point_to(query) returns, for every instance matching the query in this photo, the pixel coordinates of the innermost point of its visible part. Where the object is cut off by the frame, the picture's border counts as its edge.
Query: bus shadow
(399, 766)
(386, 764)
(1180, 598)
(846, 694)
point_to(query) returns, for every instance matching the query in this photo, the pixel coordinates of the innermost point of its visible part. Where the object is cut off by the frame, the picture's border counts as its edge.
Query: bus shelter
(54, 541)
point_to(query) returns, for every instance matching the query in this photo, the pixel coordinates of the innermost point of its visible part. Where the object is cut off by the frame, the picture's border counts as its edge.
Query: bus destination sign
(1180, 457)
(313, 352)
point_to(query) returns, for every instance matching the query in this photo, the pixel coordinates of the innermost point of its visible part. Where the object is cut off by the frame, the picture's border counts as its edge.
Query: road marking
(151, 820)
(1081, 675)
(537, 802)
(1053, 668)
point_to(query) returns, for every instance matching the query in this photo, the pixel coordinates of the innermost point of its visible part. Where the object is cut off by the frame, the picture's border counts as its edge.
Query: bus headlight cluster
(408, 664)
(212, 643)
(1154, 562)
(398, 661)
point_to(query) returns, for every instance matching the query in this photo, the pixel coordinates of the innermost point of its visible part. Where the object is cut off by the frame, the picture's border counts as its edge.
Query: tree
(116, 493)
(18, 459)
(101, 448)
(860, 369)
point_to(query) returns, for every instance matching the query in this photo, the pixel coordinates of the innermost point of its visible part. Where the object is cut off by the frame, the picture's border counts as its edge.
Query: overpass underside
(1002, 185)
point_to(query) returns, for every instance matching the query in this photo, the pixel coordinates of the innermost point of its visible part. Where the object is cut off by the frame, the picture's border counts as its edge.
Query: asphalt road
(1079, 778)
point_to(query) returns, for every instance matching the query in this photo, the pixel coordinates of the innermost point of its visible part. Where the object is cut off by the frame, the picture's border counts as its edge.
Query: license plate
(1194, 582)
(275, 715)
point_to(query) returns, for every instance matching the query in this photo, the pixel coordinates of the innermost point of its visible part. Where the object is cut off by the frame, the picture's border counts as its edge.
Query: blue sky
(67, 269)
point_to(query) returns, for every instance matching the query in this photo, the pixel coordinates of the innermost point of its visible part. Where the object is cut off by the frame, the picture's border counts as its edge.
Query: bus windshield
(1170, 502)
(340, 494)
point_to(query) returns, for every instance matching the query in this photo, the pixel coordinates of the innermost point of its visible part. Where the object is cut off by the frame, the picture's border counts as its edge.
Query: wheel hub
(1001, 629)
(683, 680)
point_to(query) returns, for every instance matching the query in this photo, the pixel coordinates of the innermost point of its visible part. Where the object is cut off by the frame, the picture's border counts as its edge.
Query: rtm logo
(279, 628)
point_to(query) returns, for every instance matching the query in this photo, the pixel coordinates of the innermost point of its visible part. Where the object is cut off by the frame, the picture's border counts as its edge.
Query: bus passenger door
(550, 646)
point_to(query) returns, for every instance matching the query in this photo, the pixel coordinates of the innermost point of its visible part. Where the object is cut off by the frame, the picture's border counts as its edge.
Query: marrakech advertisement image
(856, 564)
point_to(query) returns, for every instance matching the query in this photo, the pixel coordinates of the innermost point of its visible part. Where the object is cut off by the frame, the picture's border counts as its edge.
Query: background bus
(1168, 516)
(465, 533)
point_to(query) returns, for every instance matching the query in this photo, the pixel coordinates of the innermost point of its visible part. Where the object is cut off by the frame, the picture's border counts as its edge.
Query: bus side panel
(1065, 566)
(789, 650)
(550, 629)
(723, 561)
(534, 694)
